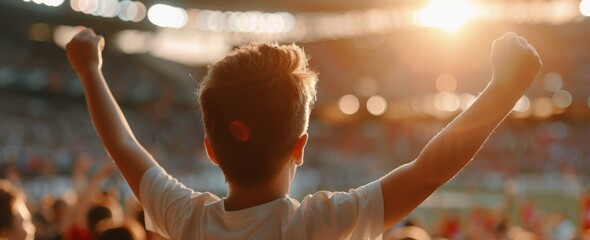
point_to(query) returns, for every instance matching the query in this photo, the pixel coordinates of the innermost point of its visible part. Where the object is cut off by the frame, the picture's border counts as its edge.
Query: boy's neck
(239, 198)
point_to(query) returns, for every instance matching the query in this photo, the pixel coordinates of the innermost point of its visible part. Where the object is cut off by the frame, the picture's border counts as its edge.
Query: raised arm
(515, 65)
(85, 54)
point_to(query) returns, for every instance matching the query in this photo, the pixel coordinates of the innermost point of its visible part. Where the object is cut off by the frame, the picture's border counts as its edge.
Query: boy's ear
(210, 152)
(298, 149)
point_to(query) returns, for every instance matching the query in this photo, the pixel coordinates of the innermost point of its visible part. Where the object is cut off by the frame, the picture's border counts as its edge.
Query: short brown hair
(271, 90)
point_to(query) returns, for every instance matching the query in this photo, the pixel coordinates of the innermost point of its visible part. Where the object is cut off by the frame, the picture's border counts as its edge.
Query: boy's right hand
(85, 51)
(515, 62)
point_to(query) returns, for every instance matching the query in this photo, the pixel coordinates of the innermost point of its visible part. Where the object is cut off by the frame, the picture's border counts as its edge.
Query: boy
(256, 104)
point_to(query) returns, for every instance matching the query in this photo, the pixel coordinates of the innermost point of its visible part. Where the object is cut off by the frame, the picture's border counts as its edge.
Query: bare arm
(84, 53)
(515, 65)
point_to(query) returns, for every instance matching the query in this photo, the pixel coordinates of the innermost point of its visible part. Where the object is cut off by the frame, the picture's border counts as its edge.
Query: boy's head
(256, 104)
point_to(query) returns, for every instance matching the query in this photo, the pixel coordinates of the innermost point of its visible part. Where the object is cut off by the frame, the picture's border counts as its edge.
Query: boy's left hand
(515, 62)
(85, 50)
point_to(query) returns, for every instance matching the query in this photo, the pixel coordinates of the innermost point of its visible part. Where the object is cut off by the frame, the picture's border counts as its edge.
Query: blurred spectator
(563, 228)
(408, 233)
(131, 230)
(15, 218)
(92, 207)
(449, 225)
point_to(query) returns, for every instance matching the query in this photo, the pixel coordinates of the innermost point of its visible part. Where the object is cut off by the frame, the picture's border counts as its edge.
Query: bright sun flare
(448, 15)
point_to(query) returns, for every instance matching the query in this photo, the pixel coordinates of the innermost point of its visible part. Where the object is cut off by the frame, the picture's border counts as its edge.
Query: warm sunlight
(448, 15)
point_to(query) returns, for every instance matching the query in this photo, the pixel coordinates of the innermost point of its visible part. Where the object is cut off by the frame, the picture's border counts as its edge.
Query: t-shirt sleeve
(356, 214)
(167, 203)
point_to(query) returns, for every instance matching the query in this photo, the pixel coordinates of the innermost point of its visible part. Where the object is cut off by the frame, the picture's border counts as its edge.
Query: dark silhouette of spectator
(15, 218)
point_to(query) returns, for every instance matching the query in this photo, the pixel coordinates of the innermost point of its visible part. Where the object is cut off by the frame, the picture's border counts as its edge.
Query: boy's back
(180, 213)
(256, 104)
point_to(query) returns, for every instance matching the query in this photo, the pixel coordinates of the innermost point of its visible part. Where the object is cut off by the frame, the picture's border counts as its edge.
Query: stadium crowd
(49, 149)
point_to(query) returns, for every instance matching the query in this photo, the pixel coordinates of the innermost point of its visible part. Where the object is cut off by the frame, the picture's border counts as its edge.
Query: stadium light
(448, 15)
(247, 22)
(132, 11)
(88, 6)
(186, 47)
(133, 41)
(167, 16)
(126, 10)
(109, 8)
(51, 3)
(585, 8)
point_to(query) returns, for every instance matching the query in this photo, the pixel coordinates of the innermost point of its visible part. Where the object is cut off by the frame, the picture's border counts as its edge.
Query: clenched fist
(515, 62)
(85, 51)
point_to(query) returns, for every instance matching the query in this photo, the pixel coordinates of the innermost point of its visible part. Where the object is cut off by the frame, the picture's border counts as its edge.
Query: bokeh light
(189, 48)
(63, 34)
(424, 104)
(522, 105)
(446, 83)
(543, 107)
(377, 105)
(246, 22)
(562, 98)
(110, 8)
(88, 6)
(167, 16)
(522, 108)
(349, 104)
(132, 41)
(585, 8)
(132, 11)
(75, 5)
(552, 81)
(466, 100)
(50, 3)
(126, 9)
(446, 102)
(141, 12)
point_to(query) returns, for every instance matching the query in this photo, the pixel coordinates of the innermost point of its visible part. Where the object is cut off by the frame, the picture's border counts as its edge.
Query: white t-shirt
(176, 212)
